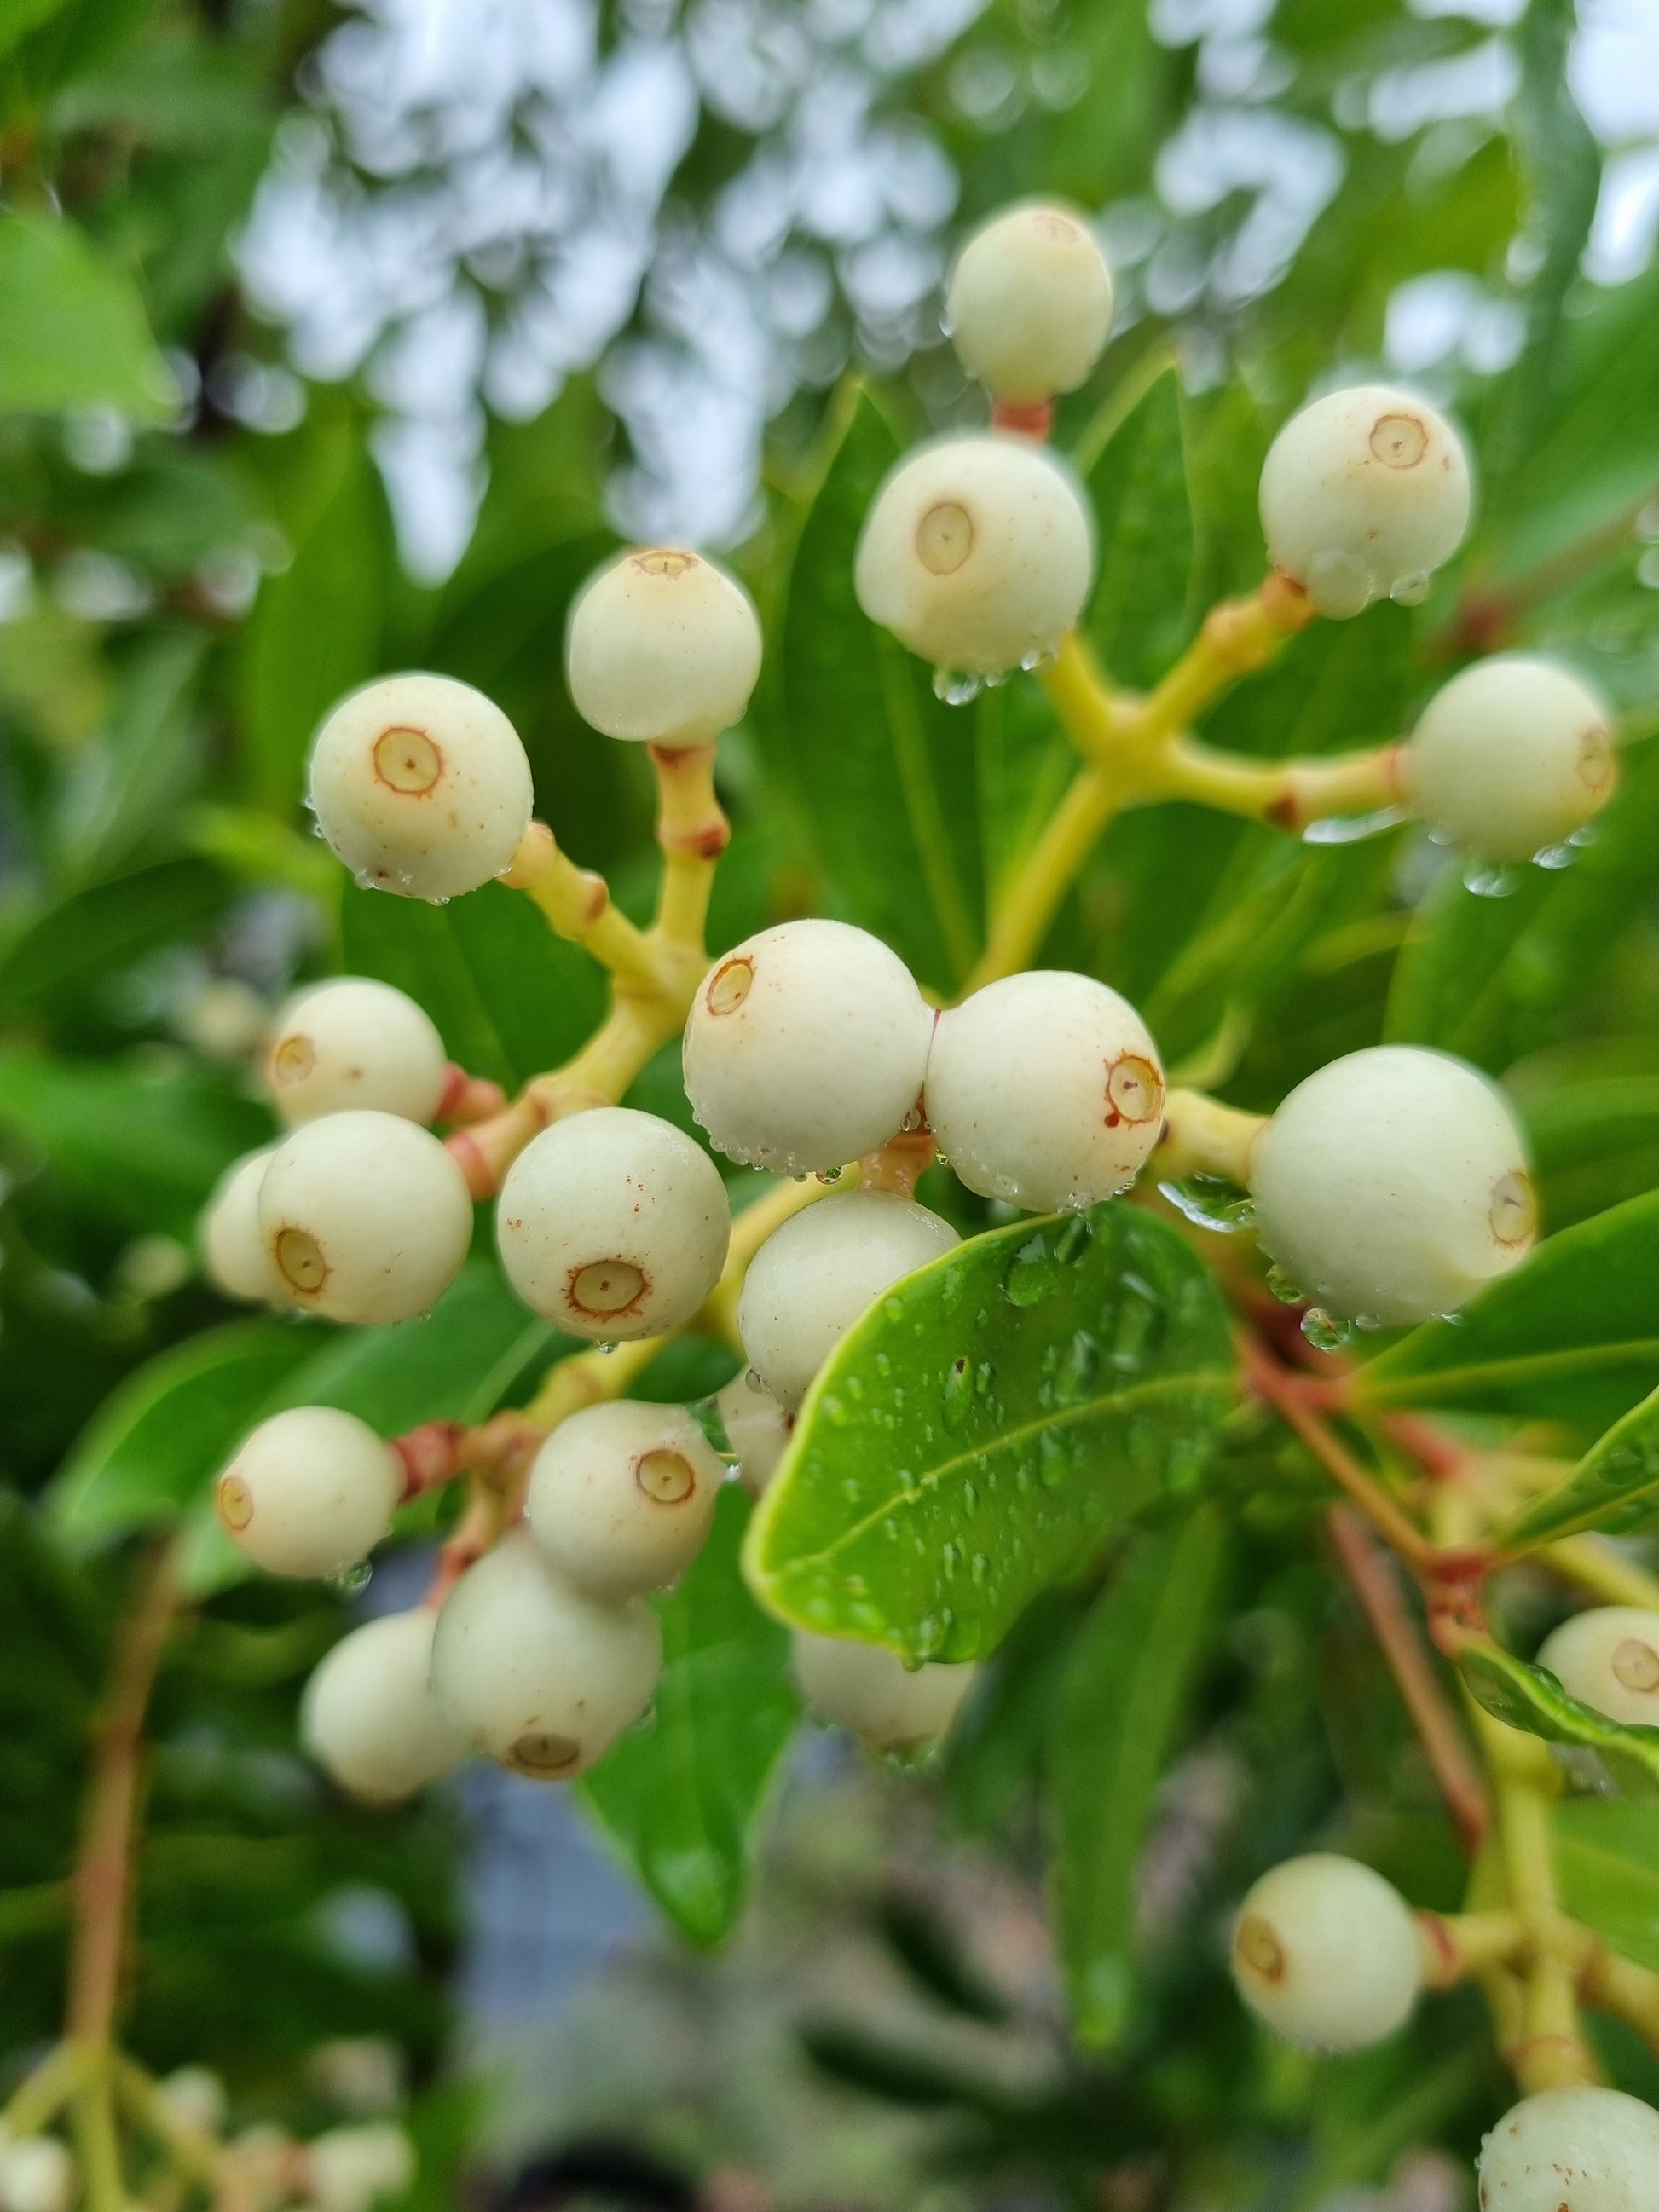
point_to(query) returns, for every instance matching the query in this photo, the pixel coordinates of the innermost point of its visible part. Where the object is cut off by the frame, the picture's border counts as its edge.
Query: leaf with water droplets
(1530, 1698)
(1044, 1383)
(1614, 1488)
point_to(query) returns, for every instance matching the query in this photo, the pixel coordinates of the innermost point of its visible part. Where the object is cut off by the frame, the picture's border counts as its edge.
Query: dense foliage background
(197, 554)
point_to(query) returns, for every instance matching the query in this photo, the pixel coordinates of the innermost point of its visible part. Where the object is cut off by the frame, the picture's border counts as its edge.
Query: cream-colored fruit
(1392, 1184)
(232, 1246)
(1608, 1659)
(196, 2095)
(977, 553)
(420, 786)
(1365, 494)
(368, 1716)
(623, 1495)
(1326, 1951)
(1572, 2150)
(311, 1491)
(757, 1429)
(365, 1217)
(348, 2169)
(886, 1704)
(1512, 756)
(534, 1671)
(806, 1047)
(350, 1042)
(663, 647)
(815, 1276)
(613, 1223)
(1029, 306)
(1045, 1089)
(37, 2174)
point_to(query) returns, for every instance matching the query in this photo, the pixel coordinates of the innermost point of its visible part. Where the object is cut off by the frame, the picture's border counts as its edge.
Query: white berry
(622, 1496)
(420, 786)
(1512, 756)
(1363, 494)
(1326, 1951)
(977, 553)
(1572, 2150)
(356, 1042)
(366, 1217)
(311, 1491)
(756, 1427)
(613, 1223)
(348, 2169)
(815, 1276)
(196, 2095)
(1029, 306)
(806, 1047)
(1608, 1659)
(1045, 1089)
(232, 1246)
(534, 1671)
(37, 2174)
(665, 647)
(1392, 1184)
(368, 1716)
(885, 1704)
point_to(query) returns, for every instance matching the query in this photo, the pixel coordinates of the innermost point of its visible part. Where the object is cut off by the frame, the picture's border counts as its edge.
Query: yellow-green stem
(1201, 1137)
(1048, 872)
(1595, 1566)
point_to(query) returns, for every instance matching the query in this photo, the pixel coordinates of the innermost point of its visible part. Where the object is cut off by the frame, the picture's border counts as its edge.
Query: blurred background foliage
(336, 341)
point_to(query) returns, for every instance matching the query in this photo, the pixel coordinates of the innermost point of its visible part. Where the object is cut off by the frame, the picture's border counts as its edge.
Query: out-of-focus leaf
(1594, 1143)
(509, 998)
(1607, 1858)
(993, 1752)
(1572, 1336)
(22, 17)
(986, 1424)
(1530, 1698)
(1614, 1488)
(1139, 617)
(1119, 1711)
(682, 1793)
(73, 331)
(143, 1148)
(144, 765)
(885, 771)
(82, 939)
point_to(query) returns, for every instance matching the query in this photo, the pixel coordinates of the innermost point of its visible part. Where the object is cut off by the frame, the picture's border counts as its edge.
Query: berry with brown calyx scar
(311, 1491)
(1326, 1951)
(1029, 306)
(663, 648)
(622, 1496)
(351, 1042)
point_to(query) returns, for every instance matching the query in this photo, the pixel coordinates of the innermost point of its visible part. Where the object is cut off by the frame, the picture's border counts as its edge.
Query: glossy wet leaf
(1607, 1859)
(1572, 1336)
(986, 1424)
(1119, 1709)
(1614, 1488)
(684, 1794)
(1530, 1698)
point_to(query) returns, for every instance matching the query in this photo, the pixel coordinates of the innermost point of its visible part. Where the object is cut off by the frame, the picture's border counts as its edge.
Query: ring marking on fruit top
(299, 1260)
(293, 1059)
(1259, 1949)
(606, 1287)
(1595, 761)
(1134, 1090)
(1636, 1664)
(1513, 1213)
(729, 986)
(1399, 442)
(665, 1476)
(538, 1753)
(235, 1503)
(407, 761)
(664, 561)
(945, 538)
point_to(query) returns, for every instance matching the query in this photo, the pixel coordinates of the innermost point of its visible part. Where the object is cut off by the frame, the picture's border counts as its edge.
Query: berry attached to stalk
(663, 648)
(1512, 756)
(888, 1706)
(1363, 494)
(1608, 1659)
(1572, 2150)
(354, 1042)
(1045, 1089)
(1392, 1184)
(534, 1671)
(815, 1276)
(366, 1217)
(420, 786)
(232, 1246)
(806, 1047)
(368, 1716)
(1326, 1951)
(1029, 306)
(621, 1496)
(756, 1427)
(613, 1223)
(310, 1493)
(977, 553)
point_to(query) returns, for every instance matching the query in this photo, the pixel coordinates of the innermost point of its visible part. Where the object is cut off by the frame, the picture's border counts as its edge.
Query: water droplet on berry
(1556, 856)
(1339, 584)
(1488, 882)
(1212, 1202)
(1324, 1331)
(1352, 828)
(605, 1346)
(1039, 657)
(354, 1579)
(830, 1174)
(1410, 591)
(955, 688)
(1287, 1293)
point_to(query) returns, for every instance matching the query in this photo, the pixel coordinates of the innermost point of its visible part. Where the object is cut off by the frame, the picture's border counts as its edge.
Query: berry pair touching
(872, 1693)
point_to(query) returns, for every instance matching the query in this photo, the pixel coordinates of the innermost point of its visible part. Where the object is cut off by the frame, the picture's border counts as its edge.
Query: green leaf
(509, 997)
(1530, 1698)
(81, 939)
(885, 772)
(1614, 1488)
(986, 1424)
(684, 1794)
(1572, 1336)
(1595, 1141)
(1140, 616)
(156, 1440)
(145, 763)
(73, 331)
(1607, 1859)
(1119, 1709)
